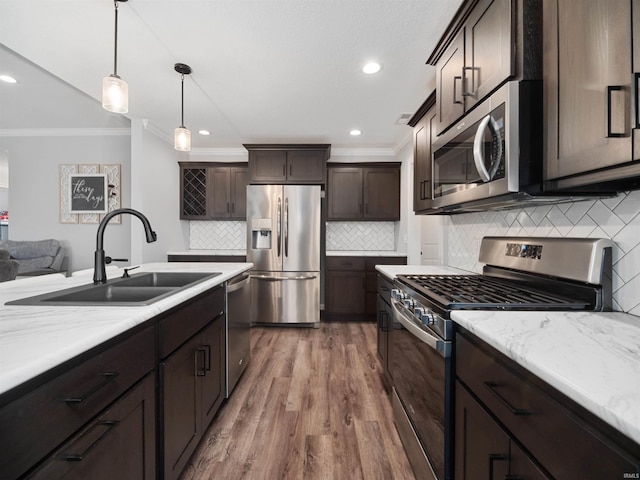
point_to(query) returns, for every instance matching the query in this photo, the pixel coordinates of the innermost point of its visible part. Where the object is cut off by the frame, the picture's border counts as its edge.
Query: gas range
(519, 273)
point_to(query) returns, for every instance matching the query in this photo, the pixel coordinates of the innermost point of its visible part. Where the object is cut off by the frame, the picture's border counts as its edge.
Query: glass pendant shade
(182, 139)
(115, 94)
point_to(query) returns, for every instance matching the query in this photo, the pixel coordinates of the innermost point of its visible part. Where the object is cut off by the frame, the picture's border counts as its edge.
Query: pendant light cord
(182, 100)
(115, 43)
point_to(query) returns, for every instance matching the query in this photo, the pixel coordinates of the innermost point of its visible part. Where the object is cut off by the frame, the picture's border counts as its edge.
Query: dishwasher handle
(237, 283)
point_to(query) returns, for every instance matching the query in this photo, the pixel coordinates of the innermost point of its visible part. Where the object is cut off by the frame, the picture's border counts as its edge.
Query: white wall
(34, 192)
(155, 178)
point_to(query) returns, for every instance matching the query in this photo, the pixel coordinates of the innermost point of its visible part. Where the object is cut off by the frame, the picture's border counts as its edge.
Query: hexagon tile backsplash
(615, 218)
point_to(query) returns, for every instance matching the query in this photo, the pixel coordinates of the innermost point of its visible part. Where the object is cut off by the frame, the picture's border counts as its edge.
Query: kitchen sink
(137, 290)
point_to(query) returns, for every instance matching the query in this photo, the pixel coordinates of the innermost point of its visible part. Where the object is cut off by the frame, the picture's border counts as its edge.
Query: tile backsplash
(356, 236)
(215, 235)
(615, 218)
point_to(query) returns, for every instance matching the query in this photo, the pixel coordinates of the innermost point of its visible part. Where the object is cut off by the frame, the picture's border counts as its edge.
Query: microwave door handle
(478, 155)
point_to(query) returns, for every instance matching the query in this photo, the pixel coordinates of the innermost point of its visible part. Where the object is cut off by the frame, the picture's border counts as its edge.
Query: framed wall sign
(88, 193)
(78, 213)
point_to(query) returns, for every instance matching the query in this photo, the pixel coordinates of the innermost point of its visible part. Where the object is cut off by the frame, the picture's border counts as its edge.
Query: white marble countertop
(391, 271)
(593, 358)
(34, 339)
(236, 252)
(365, 253)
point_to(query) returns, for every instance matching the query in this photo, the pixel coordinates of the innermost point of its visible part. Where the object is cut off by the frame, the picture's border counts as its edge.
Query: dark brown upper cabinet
(591, 64)
(423, 123)
(363, 192)
(213, 191)
(229, 196)
(487, 43)
(292, 164)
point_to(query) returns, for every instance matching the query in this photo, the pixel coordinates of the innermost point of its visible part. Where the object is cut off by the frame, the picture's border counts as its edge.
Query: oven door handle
(441, 346)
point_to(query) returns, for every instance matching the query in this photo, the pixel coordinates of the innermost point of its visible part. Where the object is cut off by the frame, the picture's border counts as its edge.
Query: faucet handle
(108, 260)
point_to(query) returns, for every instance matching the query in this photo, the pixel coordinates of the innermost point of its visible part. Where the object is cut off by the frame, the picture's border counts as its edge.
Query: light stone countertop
(591, 357)
(34, 339)
(391, 271)
(236, 252)
(365, 253)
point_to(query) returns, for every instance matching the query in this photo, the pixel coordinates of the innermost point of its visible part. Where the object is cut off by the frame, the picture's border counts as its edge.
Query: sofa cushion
(30, 264)
(21, 250)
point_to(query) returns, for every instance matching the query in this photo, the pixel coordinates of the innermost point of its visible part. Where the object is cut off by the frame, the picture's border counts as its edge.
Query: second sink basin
(163, 279)
(137, 290)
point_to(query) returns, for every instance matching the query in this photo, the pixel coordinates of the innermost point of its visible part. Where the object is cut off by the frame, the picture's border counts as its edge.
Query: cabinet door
(344, 194)
(181, 405)
(267, 166)
(193, 193)
(422, 187)
(212, 342)
(119, 444)
(587, 76)
(345, 293)
(488, 44)
(382, 194)
(449, 99)
(306, 166)
(481, 446)
(239, 181)
(220, 192)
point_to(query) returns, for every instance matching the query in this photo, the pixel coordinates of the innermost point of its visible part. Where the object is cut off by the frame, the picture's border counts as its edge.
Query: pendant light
(182, 136)
(115, 91)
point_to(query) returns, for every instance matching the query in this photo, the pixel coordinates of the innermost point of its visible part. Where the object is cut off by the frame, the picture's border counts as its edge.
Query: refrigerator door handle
(279, 225)
(275, 278)
(286, 227)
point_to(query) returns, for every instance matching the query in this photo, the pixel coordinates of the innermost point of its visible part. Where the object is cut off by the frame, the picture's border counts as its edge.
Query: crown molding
(64, 132)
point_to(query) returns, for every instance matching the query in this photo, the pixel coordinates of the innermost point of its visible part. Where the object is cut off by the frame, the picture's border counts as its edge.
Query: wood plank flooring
(311, 405)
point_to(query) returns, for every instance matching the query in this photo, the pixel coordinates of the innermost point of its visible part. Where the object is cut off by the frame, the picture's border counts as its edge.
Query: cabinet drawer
(345, 263)
(36, 423)
(191, 316)
(567, 445)
(120, 443)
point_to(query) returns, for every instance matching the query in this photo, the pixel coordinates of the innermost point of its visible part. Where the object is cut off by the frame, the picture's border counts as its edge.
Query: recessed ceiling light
(204, 132)
(355, 132)
(371, 67)
(8, 79)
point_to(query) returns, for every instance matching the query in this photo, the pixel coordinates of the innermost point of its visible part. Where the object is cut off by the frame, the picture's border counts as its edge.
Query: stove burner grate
(480, 291)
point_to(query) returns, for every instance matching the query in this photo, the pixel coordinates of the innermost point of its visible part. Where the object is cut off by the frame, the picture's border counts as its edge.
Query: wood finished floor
(311, 405)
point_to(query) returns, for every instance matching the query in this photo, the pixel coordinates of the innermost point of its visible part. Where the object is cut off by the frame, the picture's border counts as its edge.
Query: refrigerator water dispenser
(261, 233)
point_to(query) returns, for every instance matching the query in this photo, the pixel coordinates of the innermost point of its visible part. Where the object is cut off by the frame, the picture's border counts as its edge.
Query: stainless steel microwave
(492, 157)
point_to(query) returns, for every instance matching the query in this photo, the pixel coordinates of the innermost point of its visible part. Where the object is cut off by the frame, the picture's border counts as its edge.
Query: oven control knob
(425, 315)
(395, 293)
(409, 303)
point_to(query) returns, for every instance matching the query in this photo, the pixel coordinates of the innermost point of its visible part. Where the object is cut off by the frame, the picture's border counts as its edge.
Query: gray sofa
(8, 267)
(36, 257)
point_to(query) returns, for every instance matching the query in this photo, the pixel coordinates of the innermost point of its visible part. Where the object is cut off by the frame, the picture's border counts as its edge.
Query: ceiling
(264, 71)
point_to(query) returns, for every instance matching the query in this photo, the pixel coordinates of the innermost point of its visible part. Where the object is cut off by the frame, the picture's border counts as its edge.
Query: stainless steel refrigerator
(283, 243)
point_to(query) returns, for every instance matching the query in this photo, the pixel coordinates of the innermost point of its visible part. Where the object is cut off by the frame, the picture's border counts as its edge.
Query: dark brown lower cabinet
(192, 389)
(482, 449)
(503, 411)
(119, 444)
(351, 287)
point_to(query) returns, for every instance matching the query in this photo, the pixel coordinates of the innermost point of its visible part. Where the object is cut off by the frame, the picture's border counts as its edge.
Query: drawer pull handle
(108, 378)
(495, 457)
(516, 411)
(77, 457)
(201, 372)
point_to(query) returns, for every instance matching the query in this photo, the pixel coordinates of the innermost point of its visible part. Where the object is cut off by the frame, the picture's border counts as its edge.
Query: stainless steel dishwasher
(238, 325)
